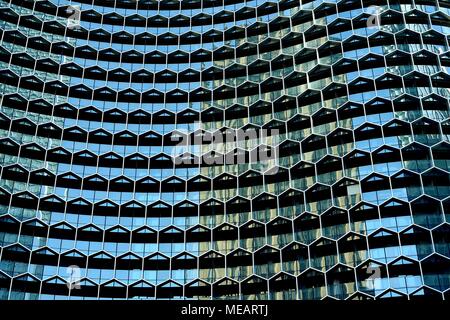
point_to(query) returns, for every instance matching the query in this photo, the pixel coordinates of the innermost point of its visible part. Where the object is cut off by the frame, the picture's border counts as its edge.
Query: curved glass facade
(224, 149)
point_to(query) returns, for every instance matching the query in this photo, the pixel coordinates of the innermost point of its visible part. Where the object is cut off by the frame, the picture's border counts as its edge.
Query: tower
(99, 199)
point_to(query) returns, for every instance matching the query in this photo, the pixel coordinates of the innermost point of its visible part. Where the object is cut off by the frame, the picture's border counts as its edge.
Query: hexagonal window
(395, 215)
(416, 157)
(341, 282)
(279, 232)
(404, 275)
(307, 228)
(352, 249)
(252, 235)
(254, 288)
(364, 218)
(323, 254)
(416, 242)
(295, 258)
(311, 285)
(334, 223)
(427, 212)
(372, 278)
(283, 287)
(384, 245)
(267, 262)
(346, 193)
(239, 264)
(226, 289)
(318, 198)
(406, 185)
(436, 183)
(436, 272)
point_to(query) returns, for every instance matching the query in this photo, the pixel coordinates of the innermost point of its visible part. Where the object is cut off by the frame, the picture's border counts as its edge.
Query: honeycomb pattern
(91, 118)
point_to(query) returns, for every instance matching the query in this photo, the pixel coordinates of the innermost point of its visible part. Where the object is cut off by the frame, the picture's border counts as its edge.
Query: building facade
(224, 149)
